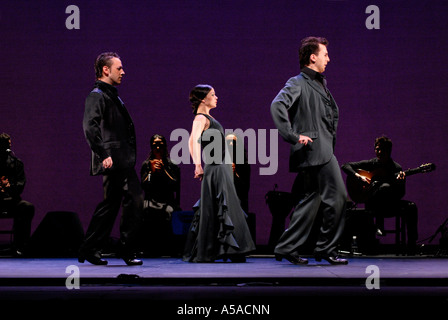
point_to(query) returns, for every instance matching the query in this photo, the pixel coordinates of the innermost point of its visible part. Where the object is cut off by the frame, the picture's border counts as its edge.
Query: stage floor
(402, 283)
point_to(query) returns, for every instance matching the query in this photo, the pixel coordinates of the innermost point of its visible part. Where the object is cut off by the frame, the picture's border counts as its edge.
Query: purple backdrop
(387, 81)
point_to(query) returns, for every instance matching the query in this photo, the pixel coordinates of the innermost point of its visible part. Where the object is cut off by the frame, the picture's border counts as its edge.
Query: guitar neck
(422, 169)
(410, 172)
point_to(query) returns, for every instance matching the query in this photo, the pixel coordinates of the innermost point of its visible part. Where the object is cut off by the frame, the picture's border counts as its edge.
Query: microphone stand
(439, 229)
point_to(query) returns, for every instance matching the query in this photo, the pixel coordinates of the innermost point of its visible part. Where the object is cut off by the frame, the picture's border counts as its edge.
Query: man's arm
(350, 168)
(279, 112)
(13, 186)
(92, 126)
(399, 187)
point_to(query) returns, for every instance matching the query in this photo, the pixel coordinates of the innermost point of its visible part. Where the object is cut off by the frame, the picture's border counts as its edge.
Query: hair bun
(198, 94)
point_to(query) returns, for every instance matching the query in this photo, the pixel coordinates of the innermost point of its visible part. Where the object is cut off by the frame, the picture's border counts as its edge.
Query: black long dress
(219, 229)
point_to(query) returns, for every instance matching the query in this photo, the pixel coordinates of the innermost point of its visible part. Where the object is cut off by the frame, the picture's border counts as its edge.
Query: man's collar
(314, 75)
(105, 86)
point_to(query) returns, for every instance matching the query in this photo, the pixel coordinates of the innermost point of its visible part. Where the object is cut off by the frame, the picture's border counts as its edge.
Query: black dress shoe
(334, 260)
(293, 258)
(93, 260)
(237, 259)
(133, 261)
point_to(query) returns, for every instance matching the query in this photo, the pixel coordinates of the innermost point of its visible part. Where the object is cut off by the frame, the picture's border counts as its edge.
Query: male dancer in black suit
(110, 133)
(306, 116)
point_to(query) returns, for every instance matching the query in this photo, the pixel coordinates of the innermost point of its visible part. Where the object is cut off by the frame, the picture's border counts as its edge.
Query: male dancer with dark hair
(110, 133)
(306, 116)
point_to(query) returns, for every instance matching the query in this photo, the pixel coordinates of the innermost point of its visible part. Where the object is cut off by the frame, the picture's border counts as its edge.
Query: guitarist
(12, 184)
(386, 188)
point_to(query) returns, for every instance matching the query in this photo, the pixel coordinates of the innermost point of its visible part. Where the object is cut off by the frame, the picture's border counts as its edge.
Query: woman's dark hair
(164, 147)
(198, 94)
(5, 142)
(309, 46)
(104, 59)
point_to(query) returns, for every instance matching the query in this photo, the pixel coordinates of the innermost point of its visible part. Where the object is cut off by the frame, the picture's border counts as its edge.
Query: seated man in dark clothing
(385, 183)
(160, 179)
(13, 181)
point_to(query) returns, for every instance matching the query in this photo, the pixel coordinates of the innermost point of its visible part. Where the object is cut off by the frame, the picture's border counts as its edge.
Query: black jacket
(303, 107)
(12, 169)
(109, 129)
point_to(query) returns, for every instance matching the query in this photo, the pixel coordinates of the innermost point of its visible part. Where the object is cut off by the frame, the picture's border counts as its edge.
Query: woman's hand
(198, 172)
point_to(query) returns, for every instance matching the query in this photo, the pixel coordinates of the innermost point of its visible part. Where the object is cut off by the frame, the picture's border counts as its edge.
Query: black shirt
(314, 75)
(383, 172)
(12, 168)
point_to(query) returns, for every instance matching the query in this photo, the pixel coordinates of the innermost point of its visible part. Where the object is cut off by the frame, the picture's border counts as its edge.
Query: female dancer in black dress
(219, 229)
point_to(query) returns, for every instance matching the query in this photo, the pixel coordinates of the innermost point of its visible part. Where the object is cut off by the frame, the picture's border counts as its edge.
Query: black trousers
(318, 192)
(23, 213)
(156, 234)
(121, 188)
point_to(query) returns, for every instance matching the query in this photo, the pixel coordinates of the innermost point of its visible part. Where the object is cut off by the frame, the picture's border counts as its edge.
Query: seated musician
(12, 184)
(386, 188)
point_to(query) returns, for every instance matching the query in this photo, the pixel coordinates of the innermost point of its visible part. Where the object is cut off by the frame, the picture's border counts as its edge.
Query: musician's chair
(398, 227)
(9, 228)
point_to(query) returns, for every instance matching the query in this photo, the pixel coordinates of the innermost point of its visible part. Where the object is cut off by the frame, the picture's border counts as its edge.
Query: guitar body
(359, 191)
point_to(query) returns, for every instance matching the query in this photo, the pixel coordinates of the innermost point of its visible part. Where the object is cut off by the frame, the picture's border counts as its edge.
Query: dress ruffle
(219, 228)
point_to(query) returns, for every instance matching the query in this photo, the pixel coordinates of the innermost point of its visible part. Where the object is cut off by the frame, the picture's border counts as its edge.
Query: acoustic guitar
(359, 190)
